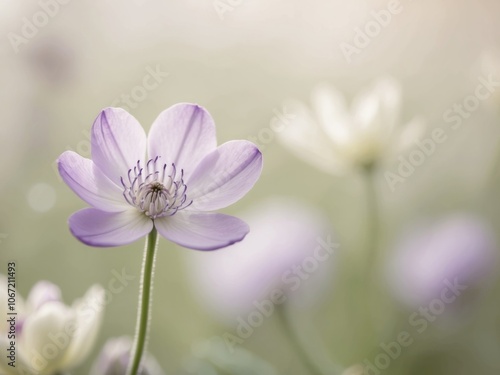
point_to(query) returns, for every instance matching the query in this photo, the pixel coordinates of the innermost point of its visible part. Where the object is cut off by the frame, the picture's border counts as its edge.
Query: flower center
(156, 190)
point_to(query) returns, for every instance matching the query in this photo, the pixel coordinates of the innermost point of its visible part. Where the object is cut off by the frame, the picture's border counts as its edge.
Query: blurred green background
(242, 68)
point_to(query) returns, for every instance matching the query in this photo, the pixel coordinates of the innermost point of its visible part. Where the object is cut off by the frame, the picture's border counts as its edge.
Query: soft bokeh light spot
(42, 197)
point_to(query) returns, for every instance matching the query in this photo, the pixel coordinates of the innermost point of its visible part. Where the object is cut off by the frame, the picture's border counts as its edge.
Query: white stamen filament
(153, 191)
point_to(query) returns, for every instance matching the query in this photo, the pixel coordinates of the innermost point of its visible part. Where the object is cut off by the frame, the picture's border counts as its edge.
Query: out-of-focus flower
(287, 256)
(52, 59)
(333, 138)
(455, 256)
(169, 180)
(115, 356)
(49, 336)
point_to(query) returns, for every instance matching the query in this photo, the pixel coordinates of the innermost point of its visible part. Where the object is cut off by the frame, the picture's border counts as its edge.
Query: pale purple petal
(115, 356)
(106, 229)
(203, 231)
(41, 293)
(225, 175)
(459, 248)
(90, 183)
(38, 333)
(182, 134)
(118, 142)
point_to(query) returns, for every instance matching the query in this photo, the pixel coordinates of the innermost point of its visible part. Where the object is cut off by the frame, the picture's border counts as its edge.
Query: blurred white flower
(115, 356)
(333, 138)
(289, 251)
(50, 337)
(458, 251)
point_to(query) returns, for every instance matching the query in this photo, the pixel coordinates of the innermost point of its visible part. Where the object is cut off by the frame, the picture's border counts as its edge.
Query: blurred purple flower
(168, 180)
(115, 356)
(460, 249)
(288, 252)
(51, 337)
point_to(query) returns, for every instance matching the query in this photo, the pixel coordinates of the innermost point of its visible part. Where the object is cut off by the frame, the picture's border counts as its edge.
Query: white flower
(50, 337)
(332, 138)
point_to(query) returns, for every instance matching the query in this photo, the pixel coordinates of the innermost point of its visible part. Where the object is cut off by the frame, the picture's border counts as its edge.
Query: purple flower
(170, 180)
(459, 250)
(115, 357)
(287, 257)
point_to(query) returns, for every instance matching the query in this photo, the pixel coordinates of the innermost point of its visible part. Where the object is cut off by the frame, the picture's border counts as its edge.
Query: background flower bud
(115, 356)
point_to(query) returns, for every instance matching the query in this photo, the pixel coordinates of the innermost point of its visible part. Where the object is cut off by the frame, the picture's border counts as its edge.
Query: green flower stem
(297, 346)
(145, 299)
(369, 262)
(373, 220)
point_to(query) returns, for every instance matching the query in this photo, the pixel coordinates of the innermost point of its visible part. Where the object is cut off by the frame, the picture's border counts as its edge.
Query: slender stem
(369, 293)
(372, 232)
(491, 186)
(296, 343)
(145, 299)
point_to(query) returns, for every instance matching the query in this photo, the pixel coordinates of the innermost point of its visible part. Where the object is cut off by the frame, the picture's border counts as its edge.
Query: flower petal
(306, 138)
(202, 231)
(118, 142)
(224, 176)
(41, 293)
(89, 312)
(106, 229)
(89, 183)
(115, 356)
(331, 109)
(42, 330)
(376, 110)
(182, 134)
